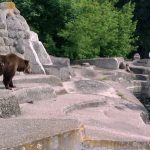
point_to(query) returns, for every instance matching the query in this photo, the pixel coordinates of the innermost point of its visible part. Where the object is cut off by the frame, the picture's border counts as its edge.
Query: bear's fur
(122, 65)
(128, 68)
(1, 68)
(11, 63)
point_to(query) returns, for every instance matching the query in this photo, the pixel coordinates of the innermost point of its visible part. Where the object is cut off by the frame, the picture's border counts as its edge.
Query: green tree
(46, 17)
(142, 14)
(81, 28)
(126, 29)
(98, 28)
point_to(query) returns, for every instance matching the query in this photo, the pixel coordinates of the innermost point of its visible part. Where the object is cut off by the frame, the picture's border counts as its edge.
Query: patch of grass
(103, 78)
(121, 95)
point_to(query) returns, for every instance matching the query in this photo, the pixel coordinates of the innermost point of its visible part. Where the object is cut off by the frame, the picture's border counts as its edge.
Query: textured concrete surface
(107, 109)
(20, 132)
(16, 37)
(112, 119)
(9, 107)
(111, 113)
(29, 92)
(59, 71)
(28, 89)
(91, 86)
(35, 78)
(107, 63)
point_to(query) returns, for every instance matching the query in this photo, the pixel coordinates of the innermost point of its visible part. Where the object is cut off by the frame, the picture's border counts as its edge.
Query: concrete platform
(140, 69)
(29, 88)
(28, 92)
(35, 78)
(21, 133)
(113, 119)
(108, 114)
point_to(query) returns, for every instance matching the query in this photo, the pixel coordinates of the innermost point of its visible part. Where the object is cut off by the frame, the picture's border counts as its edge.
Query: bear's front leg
(6, 83)
(11, 84)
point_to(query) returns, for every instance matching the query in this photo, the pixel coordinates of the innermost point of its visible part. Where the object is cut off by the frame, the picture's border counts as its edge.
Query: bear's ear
(26, 62)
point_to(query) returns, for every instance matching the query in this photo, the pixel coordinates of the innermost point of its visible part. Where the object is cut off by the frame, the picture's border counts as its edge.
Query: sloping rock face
(61, 68)
(16, 37)
(106, 63)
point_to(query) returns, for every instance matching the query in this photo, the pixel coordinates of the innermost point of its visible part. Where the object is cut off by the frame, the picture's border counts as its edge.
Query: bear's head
(27, 68)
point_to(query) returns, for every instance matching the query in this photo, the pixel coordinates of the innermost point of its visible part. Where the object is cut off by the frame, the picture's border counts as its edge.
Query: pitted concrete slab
(29, 92)
(35, 78)
(110, 114)
(23, 131)
(117, 119)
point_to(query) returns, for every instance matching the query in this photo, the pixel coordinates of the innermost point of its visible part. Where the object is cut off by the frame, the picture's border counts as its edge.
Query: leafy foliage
(46, 18)
(142, 14)
(81, 28)
(99, 28)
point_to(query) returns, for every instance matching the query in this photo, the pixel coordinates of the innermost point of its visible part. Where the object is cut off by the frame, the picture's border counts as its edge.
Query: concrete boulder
(9, 107)
(20, 48)
(13, 23)
(91, 86)
(40, 50)
(141, 62)
(88, 72)
(31, 55)
(61, 72)
(3, 18)
(16, 37)
(60, 68)
(8, 41)
(3, 33)
(106, 63)
(60, 61)
(141, 66)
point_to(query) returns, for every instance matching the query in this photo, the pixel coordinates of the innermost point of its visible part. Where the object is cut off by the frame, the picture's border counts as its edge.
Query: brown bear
(122, 65)
(11, 63)
(128, 68)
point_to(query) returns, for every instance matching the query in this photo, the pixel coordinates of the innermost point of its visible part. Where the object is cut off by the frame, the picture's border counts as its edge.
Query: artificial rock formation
(16, 37)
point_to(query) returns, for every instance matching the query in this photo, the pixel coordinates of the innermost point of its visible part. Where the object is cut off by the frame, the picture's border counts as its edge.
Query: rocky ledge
(102, 104)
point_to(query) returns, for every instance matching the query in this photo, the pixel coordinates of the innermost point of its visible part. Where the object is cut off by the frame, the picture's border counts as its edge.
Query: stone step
(39, 134)
(59, 90)
(142, 62)
(140, 83)
(62, 72)
(112, 142)
(29, 92)
(36, 78)
(141, 77)
(139, 86)
(139, 69)
(117, 130)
